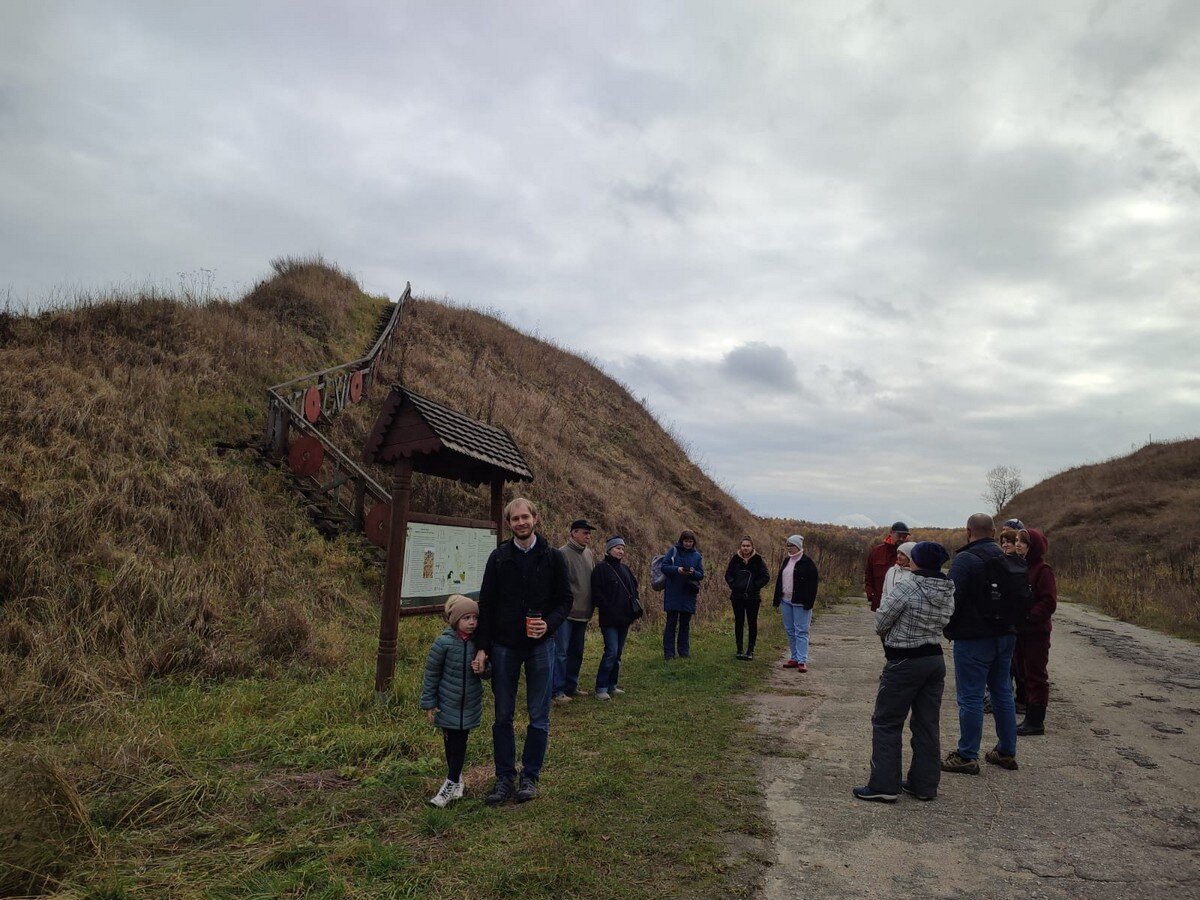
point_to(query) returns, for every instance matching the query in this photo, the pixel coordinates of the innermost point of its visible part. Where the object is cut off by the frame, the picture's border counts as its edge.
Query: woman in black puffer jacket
(746, 575)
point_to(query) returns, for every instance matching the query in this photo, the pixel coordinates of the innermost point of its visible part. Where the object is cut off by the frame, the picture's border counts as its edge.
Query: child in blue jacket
(451, 693)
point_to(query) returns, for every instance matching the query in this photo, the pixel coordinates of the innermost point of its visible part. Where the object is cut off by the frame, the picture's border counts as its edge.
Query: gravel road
(1106, 805)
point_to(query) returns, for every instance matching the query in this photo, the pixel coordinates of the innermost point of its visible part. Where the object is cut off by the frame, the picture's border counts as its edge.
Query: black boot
(503, 791)
(1034, 722)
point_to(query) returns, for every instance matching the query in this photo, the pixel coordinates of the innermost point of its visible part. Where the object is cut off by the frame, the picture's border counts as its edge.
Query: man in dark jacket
(881, 558)
(983, 653)
(524, 597)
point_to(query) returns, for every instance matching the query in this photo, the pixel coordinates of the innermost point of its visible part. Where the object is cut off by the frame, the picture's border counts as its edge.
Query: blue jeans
(683, 622)
(981, 662)
(506, 673)
(568, 656)
(610, 662)
(796, 620)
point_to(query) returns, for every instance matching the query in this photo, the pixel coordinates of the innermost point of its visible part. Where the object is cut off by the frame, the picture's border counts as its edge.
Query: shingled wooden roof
(442, 441)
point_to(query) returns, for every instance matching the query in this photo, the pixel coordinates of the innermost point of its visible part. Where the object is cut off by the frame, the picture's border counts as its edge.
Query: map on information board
(440, 560)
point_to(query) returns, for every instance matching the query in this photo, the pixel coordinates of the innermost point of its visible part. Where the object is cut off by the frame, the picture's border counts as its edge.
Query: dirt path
(1106, 805)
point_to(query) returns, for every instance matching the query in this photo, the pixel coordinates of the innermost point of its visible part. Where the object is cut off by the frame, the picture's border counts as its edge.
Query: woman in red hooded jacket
(1033, 638)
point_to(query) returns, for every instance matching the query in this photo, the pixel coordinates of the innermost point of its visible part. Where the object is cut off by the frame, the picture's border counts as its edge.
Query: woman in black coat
(746, 575)
(615, 595)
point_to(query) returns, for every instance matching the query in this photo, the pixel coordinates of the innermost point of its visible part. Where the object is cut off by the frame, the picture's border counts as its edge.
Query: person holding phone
(684, 569)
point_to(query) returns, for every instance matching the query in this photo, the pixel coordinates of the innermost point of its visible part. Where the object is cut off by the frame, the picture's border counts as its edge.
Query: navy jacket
(513, 587)
(681, 590)
(966, 570)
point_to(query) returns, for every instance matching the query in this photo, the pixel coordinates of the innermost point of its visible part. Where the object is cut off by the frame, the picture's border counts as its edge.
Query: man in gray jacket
(569, 639)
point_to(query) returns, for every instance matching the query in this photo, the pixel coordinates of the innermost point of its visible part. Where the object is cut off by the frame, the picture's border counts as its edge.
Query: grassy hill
(1123, 533)
(185, 662)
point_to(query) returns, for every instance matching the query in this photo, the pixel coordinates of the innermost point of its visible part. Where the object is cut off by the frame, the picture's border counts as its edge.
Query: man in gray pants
(910, 620)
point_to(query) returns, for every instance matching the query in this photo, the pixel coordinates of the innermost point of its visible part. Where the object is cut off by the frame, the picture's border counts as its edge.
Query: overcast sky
(855, 253)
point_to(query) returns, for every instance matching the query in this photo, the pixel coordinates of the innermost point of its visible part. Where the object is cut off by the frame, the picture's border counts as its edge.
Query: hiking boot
(791, 664)
(866, 793)
(1003, 760)
(528, 789)
(801, 667)
(1034, 722)
(501, 793)
(904, 786)
(450, 790)
(955, 763)
(603, 695)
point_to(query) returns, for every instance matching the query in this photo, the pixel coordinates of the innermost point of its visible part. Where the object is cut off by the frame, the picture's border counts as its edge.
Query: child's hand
(430, 713)
(479, 662)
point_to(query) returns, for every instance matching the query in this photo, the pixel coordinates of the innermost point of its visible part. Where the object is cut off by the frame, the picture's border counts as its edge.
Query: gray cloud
(760, 363)
(971, 228)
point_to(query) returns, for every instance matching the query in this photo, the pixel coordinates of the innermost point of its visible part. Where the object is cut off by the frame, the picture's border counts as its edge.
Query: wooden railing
(296, 408)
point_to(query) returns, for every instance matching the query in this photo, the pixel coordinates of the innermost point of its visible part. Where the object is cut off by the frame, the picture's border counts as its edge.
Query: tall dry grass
(1122, 533)
(130, 546)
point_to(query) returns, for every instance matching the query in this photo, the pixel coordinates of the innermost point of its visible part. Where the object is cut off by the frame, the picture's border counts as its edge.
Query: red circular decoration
(306, 455)
(312, 403)
(378, 524)
(356, 387)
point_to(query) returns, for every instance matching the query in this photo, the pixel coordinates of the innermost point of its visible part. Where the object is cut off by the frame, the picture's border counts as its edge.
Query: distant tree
(1003, 483)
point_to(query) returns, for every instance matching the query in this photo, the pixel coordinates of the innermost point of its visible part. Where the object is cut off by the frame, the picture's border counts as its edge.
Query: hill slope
(1123, 532)
(134, 546)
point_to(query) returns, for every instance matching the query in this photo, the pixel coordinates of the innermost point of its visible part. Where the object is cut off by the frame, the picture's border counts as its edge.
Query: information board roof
(442, 441)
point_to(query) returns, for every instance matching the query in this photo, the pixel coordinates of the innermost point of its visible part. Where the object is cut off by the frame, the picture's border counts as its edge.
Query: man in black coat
(524, 597)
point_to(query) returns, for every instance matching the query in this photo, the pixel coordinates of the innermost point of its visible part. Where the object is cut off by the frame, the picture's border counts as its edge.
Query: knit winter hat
(797, 541)
(458, 606)
(615, 541)
(929, 555)
(907, 548)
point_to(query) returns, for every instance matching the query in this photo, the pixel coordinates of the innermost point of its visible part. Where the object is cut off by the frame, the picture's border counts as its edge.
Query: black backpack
(1003, 596)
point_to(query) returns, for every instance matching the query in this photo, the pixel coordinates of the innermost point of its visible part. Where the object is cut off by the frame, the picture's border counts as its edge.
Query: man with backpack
(991, 594)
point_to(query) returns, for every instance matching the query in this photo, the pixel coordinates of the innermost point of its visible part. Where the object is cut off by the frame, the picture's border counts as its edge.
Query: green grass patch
(303, 786)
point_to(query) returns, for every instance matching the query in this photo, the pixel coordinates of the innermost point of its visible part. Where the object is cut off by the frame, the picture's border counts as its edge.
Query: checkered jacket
(916, 611)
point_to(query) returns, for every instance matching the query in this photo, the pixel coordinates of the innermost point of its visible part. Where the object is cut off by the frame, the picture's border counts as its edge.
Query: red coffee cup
(530, 617)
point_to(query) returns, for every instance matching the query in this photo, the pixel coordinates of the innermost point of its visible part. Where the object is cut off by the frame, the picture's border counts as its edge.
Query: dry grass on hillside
(594, 450)
(1123, 533)
(130, 546)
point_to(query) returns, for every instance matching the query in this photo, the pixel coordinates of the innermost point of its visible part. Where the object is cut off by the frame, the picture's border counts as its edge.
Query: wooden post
(393, 582)
(498, 508)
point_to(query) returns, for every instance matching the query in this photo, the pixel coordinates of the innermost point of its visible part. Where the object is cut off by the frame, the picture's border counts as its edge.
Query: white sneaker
(602, 695)
(618, 690)
(446, 793)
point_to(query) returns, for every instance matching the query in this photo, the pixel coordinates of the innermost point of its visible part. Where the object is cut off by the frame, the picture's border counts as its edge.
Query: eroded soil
(1106, 805)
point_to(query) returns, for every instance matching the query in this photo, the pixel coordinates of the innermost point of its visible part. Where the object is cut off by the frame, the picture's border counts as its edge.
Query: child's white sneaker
(450, 790)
